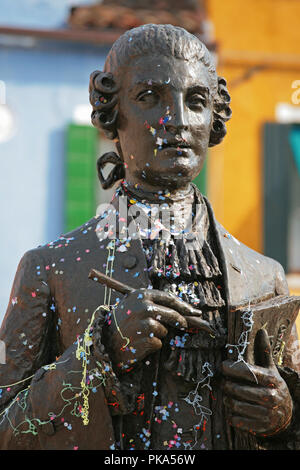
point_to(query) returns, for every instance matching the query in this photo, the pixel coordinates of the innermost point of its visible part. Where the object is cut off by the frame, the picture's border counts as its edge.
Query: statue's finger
(244, 409)
(196, 322)
(251, 394)
(148, 346)
(262, 349)
(166, 315)
(156, 328)
(247, 424)
(175, 319)
(241, 371)
(172, 301)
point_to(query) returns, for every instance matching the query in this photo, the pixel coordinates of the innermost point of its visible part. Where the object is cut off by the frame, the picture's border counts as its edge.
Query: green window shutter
(277, 167)
(81, 151)
(200, 180)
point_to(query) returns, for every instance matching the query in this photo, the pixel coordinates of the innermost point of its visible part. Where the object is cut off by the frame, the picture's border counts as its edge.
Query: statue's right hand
(138, 324)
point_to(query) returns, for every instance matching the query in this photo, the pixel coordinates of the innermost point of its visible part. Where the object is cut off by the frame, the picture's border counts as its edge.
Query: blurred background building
(48, 148)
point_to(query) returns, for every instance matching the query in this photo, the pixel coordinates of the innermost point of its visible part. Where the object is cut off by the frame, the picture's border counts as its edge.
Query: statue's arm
(27, 331)
(290, 372)
(291, 355)
(34, 412)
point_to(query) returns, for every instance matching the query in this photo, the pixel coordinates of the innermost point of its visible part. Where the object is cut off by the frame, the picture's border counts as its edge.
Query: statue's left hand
(256, 397)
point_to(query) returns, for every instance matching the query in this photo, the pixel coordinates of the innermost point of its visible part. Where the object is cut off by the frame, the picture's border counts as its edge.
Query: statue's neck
(157, 196)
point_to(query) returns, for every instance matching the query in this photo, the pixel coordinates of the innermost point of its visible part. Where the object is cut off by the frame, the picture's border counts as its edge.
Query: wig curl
(103, 98)
(221, 114)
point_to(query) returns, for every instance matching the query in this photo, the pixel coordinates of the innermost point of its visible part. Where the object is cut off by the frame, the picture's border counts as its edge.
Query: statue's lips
(180, 146)
(177, 149)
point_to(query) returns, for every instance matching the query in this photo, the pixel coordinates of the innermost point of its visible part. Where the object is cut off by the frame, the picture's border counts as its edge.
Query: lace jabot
(186, 263)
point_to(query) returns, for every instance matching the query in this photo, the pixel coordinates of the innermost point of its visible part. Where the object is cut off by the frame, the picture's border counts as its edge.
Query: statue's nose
(178, 114)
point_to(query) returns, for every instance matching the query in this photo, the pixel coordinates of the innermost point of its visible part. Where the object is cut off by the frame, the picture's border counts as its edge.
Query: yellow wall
(294, 283)
(248, 33)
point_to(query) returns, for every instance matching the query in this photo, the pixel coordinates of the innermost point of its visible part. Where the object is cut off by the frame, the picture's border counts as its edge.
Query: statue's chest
(75, 297)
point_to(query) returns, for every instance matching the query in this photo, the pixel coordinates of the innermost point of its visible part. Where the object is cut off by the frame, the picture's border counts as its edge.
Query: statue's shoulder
(66, 245)
(260, 272)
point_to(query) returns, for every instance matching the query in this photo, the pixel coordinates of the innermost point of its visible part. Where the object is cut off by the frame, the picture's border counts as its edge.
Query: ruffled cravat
(185, 264)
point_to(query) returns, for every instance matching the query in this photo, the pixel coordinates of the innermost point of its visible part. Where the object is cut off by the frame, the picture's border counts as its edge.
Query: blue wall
(44, 83)
(38, 13)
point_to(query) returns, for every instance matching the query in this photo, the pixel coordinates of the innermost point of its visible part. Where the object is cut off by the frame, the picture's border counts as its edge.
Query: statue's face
(165, 118)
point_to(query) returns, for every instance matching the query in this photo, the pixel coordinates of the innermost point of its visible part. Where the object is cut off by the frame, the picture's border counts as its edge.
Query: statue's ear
(103, 98)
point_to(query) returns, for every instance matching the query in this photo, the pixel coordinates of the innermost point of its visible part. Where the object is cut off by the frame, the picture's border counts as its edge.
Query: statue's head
(160, 98)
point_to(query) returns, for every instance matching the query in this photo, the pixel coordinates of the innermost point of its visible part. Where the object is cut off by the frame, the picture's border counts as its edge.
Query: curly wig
(154, 39)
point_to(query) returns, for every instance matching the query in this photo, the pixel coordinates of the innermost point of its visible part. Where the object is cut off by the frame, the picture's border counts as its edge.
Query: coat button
(129, 261)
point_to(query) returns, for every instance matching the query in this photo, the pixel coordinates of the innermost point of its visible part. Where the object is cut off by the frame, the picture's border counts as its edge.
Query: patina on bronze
(135, 371)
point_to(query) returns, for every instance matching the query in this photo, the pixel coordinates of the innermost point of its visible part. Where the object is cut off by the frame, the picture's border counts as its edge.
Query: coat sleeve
(290, 372)
(49, 403)
(27, 328)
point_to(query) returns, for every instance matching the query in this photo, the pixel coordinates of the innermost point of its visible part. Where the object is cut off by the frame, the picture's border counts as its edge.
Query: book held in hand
(276, 315)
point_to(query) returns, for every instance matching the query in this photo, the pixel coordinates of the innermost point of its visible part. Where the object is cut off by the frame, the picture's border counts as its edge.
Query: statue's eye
(147, 96)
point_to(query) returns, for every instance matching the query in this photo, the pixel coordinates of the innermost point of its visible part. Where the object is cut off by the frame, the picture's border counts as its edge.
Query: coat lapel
(248, 276)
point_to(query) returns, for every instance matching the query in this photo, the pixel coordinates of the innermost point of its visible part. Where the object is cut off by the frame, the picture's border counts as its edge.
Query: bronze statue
(89, 367)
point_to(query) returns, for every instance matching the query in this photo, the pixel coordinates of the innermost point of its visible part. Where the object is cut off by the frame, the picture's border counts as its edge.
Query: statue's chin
(171, 180)
(172, 177)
